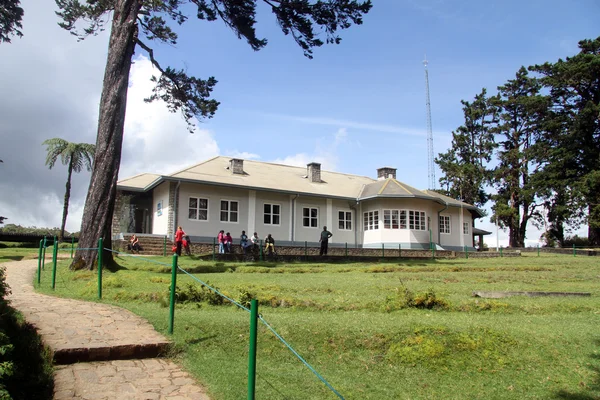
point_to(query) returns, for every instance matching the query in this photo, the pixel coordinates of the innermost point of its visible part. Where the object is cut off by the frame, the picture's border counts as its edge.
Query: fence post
(44, 253)
(305, 250)
(252, 353)
(173, 287)
(55, 248)
(399, 250)
(100, 251)
(383, 250)
(574, 253)
(39, 271)
(214, 244)
(466, 252)
(165, 246)
(501, 251)
(72, 245)
(538, 250)
(346, 250)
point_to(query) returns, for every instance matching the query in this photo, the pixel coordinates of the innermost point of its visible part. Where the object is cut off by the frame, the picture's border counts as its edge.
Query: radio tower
(430, 161)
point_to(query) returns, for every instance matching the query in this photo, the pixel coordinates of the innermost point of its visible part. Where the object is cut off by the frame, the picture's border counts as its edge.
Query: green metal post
(400, 250)
(100, 251)
(346, 249)
(39, 271)
(165, 246)
(382, 250)
(55, 248)
(305, 250)
(72, 245)
(252, 353)
(466, 252)
(44, 253)
(538, 250)
(501, 251)
(261, 249)
(574, 253)
(173, 287)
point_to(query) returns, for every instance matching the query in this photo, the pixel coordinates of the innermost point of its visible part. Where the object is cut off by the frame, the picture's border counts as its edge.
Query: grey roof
(288, 179)
(477, 231)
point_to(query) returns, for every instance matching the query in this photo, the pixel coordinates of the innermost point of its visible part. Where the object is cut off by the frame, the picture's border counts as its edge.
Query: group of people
(251, 244)
(225, 241)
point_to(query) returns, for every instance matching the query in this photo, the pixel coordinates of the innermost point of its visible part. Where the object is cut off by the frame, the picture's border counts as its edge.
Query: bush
(404, 298)
(198, 294)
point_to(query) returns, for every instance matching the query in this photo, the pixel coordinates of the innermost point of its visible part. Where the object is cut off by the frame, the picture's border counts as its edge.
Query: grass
(366, 328)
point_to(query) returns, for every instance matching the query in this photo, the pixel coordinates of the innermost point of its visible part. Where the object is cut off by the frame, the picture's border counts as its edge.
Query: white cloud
(242, 154)
(155, 139)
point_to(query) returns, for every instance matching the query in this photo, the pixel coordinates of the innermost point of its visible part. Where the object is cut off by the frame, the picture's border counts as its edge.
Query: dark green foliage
(25, 365)
(11, 16)
(521, 113)
(572, 137)
(466, 164)
(198, 294)
(576, 241)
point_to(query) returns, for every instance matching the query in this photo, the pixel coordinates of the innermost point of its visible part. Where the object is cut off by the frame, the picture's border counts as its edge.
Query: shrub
(198, 294)
(404, 298)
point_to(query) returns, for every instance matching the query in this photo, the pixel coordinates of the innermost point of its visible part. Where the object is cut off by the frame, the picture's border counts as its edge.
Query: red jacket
(179, 235)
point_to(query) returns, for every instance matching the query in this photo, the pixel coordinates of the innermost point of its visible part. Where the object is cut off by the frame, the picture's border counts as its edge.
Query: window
(391, 219)
(309, 217)
(198, 209)
(466, 228)
(345, 220)
(371, 220)
(272, 214)
(416, 220)
(229, 211)
(444, 224)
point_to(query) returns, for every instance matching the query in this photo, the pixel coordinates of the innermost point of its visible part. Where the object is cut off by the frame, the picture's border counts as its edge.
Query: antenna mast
(430, 160)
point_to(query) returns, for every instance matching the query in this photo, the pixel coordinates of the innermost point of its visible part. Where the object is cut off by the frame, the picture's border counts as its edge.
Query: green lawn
(354, 325)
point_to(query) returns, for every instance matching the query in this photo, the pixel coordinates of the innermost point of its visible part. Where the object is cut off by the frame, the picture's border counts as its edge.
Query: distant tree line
(533, 150)
(18, 229)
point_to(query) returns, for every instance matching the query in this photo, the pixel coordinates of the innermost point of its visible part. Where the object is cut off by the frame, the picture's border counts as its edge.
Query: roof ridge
(195, 165)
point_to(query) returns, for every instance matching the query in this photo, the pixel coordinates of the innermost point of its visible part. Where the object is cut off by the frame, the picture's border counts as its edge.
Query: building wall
(456, 238)
(308, 233)
(281, 231)
(160, 223)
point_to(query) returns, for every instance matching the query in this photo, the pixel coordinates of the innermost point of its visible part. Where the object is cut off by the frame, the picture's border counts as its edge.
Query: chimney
(385, 173)
(314, 172)
(236, 166)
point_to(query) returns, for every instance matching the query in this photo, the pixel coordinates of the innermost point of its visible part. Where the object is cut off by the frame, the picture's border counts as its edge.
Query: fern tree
(75, 156)
(137, 23)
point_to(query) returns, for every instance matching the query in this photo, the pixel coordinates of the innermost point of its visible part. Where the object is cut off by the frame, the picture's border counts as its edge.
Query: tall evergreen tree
(137, 22)
(520, 121)
(466, 164)
(574, 152)
(75, 156)
(11, 15)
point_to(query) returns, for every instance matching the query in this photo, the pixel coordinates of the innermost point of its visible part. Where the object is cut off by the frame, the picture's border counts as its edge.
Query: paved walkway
(109, 352)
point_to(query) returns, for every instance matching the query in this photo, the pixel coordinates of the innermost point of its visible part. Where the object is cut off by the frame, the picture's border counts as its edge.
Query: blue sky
(355, 107)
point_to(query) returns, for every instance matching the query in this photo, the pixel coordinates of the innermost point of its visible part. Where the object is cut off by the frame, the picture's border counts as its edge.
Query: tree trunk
(593, 220)
(61, 235)
(100, 201)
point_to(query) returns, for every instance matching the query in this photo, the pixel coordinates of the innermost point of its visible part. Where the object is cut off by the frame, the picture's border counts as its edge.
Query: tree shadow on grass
(591, 391)
(5, 258)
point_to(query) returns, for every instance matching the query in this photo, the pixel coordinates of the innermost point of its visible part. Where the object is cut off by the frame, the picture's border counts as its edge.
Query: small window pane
(275, 209)
(224, 216)
(233, 217)
(306, 212)
(267, 209)
(203, 203)
(193, 213)
(267, 219)
(203, 215)
(313, 223)
(275, 219)
(224, 205)
(234, 206)
(313, 212)
(193, 202)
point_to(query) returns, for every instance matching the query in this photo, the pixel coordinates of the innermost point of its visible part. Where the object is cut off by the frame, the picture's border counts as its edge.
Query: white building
(293, 204)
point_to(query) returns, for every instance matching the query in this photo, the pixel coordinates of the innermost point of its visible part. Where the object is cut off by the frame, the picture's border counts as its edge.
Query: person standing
(179, 239)
(220, 238)
(324, 239)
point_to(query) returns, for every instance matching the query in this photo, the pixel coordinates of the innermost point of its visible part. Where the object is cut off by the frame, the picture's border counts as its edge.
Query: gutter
(293, 210)
(439, 234)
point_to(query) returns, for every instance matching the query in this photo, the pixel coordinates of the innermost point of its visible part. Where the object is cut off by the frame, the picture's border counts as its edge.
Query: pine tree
(11, 15)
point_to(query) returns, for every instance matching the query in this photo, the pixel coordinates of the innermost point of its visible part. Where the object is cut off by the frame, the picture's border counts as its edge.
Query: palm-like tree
(75, 156)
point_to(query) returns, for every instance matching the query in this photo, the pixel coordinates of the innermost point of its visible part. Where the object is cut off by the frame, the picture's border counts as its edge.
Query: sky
(355, 107)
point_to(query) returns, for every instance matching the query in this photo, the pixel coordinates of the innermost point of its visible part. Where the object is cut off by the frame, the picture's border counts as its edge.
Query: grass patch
(374, 331)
